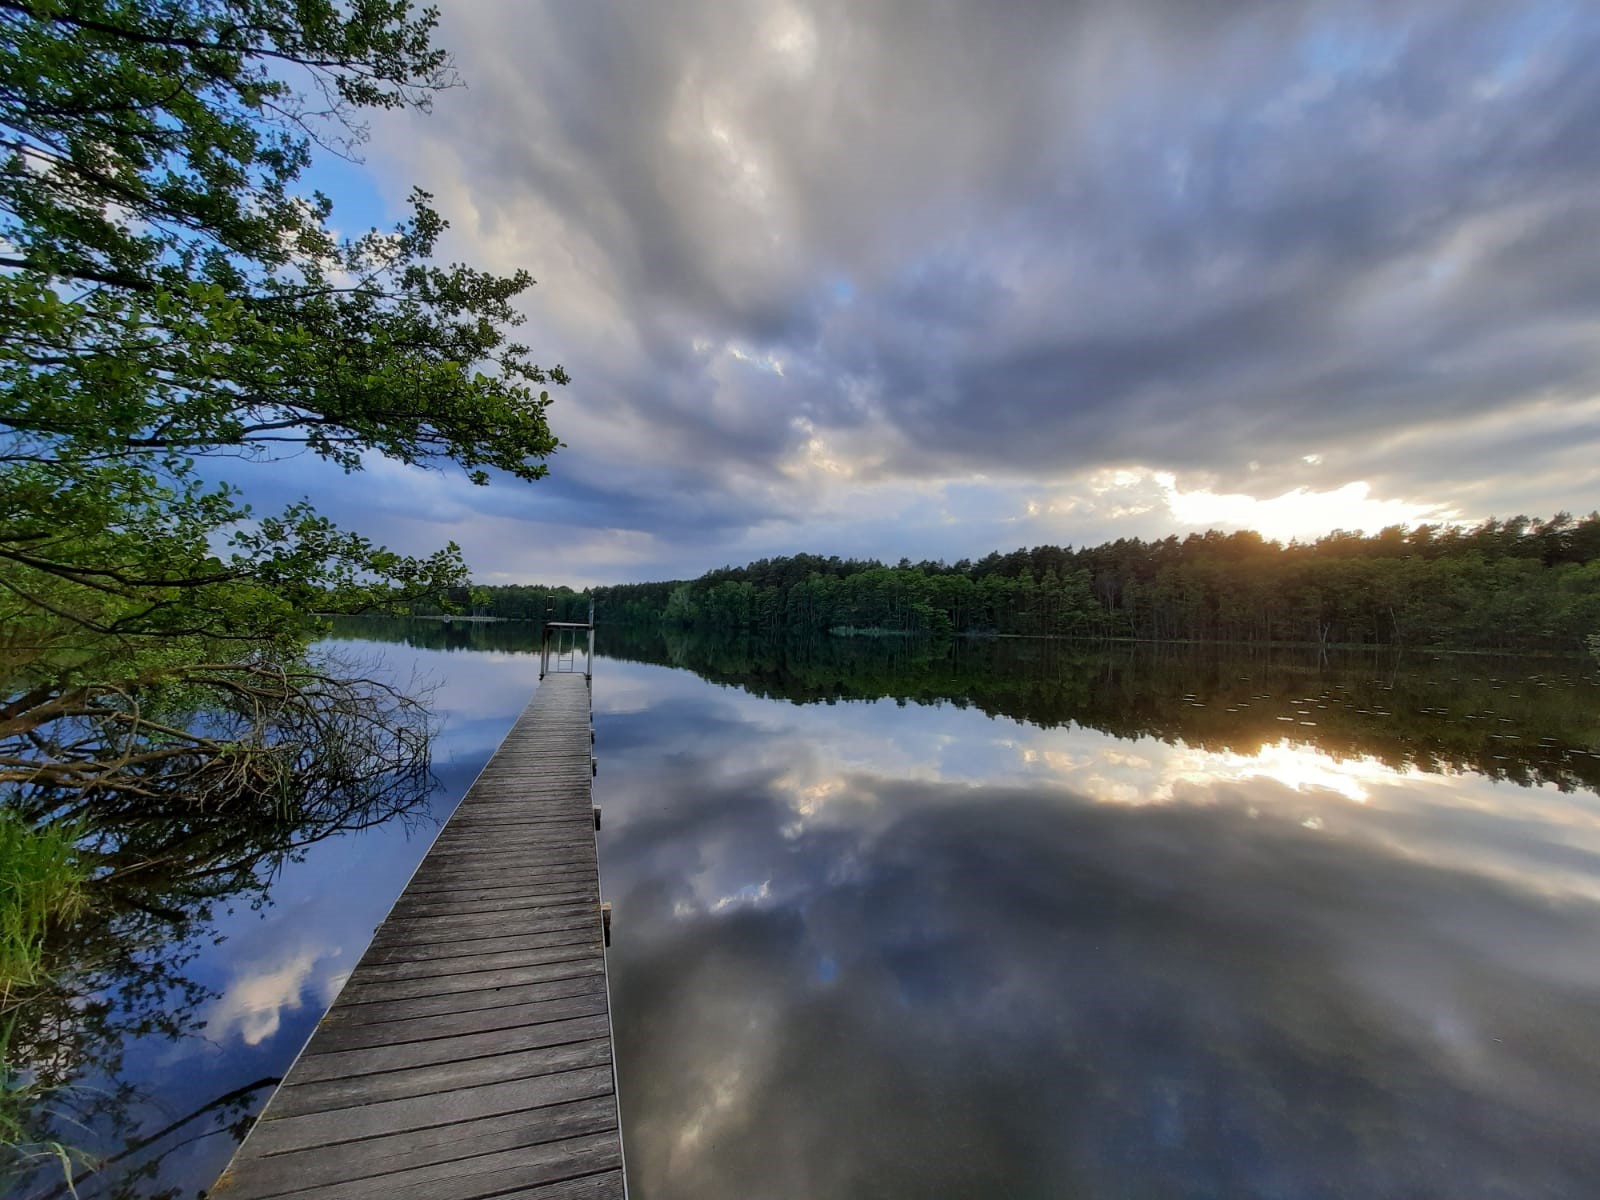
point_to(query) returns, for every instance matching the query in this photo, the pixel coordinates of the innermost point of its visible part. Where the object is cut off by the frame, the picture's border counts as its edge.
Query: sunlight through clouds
(1301, 513)
(826, 281)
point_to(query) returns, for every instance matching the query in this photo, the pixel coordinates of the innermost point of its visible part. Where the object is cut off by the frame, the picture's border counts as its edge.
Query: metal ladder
(559, 643)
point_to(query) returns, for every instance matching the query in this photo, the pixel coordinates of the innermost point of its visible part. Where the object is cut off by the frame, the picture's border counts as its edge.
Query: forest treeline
(1518, 584)
(1526, 721)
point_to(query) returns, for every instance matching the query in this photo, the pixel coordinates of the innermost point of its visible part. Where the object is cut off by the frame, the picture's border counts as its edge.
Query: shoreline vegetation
(1090, 640)
(1592, 644)
(1524, 718)
(1518, 585)
(177, 293)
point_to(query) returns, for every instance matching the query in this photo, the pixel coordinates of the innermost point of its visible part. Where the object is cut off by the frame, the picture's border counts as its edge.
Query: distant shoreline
(474, 620)
(868, 633)
(433, 617)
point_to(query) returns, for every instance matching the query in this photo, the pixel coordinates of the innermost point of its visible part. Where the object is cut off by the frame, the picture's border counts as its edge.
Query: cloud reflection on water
(866, 950)
(1120, 937)
(252, 1005)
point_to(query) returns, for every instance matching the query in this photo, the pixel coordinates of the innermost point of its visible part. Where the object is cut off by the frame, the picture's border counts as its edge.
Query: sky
(933, 279)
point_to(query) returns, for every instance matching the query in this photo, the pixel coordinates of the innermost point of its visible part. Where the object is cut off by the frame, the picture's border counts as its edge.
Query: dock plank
(439, 1025)
(466, 964)
(469, 1054)
(474, 946)
(376, 1157)
(299, 1098)
(342, 1064)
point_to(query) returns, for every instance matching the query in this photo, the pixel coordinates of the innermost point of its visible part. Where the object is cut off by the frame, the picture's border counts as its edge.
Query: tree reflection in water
(1525, 720)
(130, 974)
(1218, 924)
(161, 866)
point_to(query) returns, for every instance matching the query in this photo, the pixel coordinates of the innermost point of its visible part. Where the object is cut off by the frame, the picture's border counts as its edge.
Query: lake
(1016, 919)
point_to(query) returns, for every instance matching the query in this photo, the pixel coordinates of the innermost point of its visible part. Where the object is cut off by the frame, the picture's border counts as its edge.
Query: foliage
(41, 886)
(156, 862)
(173, 299)
(42, 891)
(1512, 585)
(517, 602)
(176, 303)
(170, 292)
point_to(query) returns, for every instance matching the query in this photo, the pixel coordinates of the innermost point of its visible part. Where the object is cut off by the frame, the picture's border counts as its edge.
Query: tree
(1436, 585)
(173, 301)
(161, 849)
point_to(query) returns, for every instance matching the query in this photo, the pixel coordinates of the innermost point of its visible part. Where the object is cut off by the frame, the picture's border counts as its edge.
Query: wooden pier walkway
(469, 1055)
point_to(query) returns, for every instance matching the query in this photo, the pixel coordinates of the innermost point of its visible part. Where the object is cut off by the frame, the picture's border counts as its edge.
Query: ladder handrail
(566, 645)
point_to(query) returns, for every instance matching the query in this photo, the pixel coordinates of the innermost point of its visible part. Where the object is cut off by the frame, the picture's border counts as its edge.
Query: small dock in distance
(469, 1054)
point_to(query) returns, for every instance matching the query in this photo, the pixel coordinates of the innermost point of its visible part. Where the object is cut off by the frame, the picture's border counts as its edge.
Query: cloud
(809, 263)
(1203, 970)
(252, 1005)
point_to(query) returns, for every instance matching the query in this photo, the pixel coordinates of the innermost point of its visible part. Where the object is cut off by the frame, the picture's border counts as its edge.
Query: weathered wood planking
(469, 1055)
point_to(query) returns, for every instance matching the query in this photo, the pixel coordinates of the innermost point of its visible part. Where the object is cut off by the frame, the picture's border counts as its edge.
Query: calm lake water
(1017, 920)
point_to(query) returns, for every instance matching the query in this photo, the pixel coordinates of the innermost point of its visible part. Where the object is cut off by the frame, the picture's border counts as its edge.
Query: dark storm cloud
(914, 242)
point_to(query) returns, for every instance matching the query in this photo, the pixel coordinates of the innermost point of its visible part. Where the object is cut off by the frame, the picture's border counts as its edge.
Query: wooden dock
(469, 1055)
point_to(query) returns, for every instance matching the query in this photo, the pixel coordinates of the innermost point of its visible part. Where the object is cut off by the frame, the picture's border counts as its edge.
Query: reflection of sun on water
(1299, 768)
(1528, 838)
(1114, 776)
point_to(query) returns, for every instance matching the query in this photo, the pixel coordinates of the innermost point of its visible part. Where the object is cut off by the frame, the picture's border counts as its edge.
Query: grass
(22, 1101)
(42, 886)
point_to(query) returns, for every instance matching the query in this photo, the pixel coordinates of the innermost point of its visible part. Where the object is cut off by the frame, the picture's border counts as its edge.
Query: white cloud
(1299, 513)
(828, 280)
(252, 1005)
